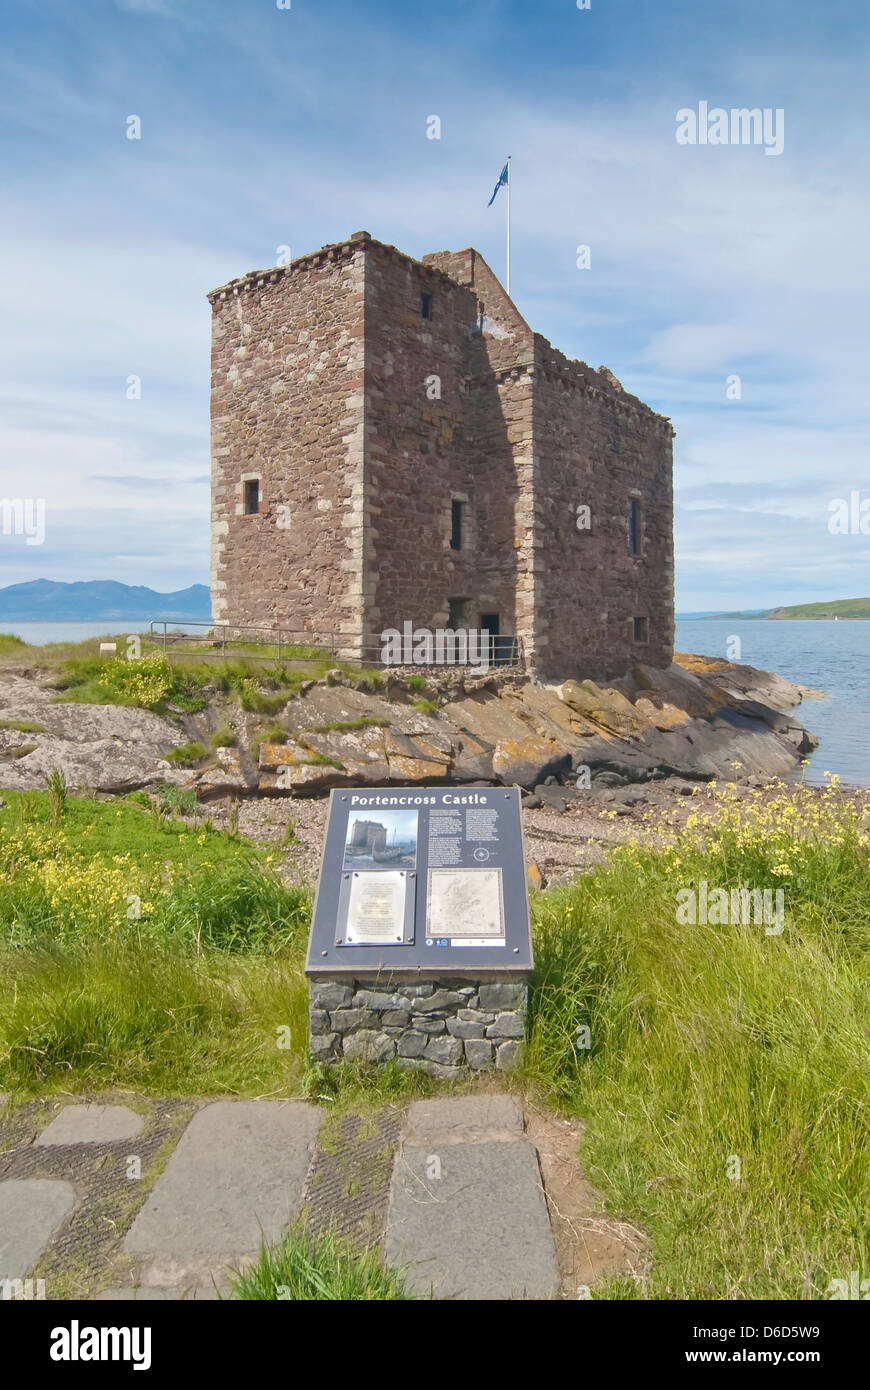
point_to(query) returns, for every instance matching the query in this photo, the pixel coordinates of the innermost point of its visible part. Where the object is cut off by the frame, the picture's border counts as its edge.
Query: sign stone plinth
(420, 947)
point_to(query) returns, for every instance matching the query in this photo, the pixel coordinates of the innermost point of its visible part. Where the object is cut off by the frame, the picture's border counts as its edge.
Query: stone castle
(393, 444)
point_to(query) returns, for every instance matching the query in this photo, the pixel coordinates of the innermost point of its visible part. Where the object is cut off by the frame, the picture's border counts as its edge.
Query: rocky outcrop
(694, 721)
(111, 748)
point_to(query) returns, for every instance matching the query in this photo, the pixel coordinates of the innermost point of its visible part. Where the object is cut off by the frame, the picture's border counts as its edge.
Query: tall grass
(319, 1268)
(144, 952)
(725, 1088)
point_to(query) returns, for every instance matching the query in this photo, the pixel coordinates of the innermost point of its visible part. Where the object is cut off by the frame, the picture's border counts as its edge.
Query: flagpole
(509, 227)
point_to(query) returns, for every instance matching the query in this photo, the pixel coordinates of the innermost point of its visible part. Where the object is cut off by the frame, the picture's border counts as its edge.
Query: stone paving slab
(464, 1120)
(30, 1210)
(234, 1180)
(92, 1124)
(480, 1231)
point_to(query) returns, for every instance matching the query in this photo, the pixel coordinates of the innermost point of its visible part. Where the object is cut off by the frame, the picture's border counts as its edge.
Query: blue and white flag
(502, 180)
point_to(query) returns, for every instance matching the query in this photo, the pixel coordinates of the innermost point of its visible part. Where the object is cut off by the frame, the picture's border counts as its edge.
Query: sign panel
(376, 910)
(422, 879)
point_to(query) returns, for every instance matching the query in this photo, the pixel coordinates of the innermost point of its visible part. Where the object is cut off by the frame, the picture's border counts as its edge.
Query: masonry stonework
(364, 393)
(444, 1026)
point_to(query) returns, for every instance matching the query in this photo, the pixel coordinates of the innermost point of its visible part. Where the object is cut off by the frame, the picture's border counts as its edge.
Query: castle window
(456, 618)
(634, 525)
(456, 524)
(426, 306)
(252, 496)
(641, 629)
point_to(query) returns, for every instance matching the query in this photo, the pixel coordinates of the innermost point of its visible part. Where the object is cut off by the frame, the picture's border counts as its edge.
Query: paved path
(468, 1214)
(157, 1202)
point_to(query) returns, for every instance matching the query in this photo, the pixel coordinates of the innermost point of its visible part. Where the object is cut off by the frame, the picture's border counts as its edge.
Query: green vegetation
(187, 754)
(426, 706)
(57, 796)
(182, 800)
(839, 608)
(168, 958)
(22, 726)
(271, 732)
(322, 1267)
(223, 737)
(183, 677)
(151, 682)
(144, 952)
(416, 682)
(715, 1042)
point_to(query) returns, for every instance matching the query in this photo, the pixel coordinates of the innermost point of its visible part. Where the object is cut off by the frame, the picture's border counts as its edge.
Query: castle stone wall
(600, 447)
(287, 409)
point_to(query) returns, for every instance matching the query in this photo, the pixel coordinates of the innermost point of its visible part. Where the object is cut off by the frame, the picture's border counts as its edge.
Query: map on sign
(465, 903)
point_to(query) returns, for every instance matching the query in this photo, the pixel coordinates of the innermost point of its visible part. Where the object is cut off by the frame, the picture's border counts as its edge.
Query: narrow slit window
(634, 527)
(456, 519)
(252, 496)
(641, 626)
(426, 306)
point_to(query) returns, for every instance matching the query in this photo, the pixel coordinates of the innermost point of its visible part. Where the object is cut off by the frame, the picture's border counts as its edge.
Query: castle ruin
(392, 444)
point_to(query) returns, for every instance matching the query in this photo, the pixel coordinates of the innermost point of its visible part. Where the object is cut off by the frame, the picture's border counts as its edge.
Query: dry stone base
(441, 1025)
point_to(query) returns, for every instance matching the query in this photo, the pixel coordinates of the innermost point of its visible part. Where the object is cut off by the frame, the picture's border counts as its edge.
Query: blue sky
(264, 127)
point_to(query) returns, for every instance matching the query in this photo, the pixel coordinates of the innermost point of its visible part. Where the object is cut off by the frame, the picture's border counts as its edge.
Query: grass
(426, 706)
(185, 678)
(708, 1044)
(187, 754)
(22, 726)
(270, 732)
(319, 1268)
(182, 800)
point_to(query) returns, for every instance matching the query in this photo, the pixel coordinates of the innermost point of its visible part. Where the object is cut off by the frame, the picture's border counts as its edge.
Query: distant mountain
(46, 600)
(837, 608)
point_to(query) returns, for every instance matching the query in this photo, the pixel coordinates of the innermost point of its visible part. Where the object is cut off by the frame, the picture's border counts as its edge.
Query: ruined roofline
(551, 363)
(571, 371)
(334, 252)
(475, 262)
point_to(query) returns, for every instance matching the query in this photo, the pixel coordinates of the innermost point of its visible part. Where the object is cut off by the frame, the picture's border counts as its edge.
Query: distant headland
(835, 608)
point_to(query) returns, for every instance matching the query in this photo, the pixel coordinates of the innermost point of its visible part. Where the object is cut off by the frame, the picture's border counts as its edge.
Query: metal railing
(221, 640)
